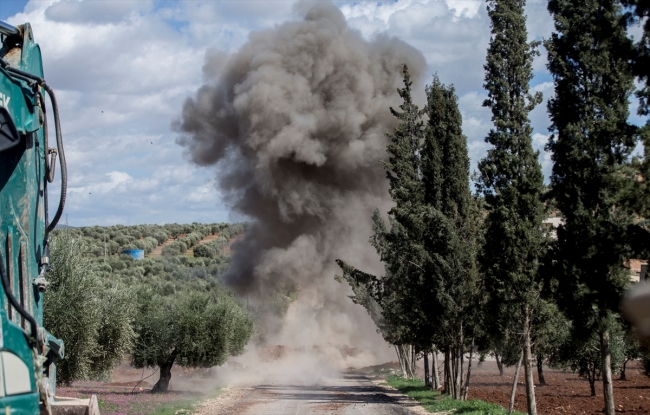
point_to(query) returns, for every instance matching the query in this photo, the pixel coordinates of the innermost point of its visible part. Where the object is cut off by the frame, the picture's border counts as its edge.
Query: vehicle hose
(16, 305)
(59, 145)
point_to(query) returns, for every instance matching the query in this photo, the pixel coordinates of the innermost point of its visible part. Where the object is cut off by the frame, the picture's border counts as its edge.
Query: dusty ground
(358, 391)
(349, 393)
(565, 393)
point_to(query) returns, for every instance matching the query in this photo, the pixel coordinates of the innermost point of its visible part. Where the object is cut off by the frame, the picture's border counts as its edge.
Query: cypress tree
(405, 256)
(449, 240)
(403, 166)
(589, 58)
(511, 177)
(400, 247)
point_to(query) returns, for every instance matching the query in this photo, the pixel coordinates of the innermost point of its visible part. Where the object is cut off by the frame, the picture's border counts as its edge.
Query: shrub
(91, 318)
(204, 251)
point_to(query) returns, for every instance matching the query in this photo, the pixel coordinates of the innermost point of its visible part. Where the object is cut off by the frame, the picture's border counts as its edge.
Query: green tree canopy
(590, 61)
(188, 327)
(511, 179)
(92, 316)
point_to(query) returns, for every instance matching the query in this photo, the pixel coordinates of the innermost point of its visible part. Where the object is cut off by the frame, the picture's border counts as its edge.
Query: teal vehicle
(28, 352)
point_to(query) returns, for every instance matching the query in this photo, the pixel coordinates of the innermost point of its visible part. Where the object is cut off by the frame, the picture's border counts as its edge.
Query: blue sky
(10, 7)
(122, 69)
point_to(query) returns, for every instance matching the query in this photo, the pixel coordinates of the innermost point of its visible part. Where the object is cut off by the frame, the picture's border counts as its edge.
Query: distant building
(638, 269)
(552, 223)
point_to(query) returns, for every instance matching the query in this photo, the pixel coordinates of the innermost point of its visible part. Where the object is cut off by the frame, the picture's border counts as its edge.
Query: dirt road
(348, 394)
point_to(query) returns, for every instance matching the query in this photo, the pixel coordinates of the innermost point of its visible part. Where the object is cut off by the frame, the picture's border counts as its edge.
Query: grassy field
(433, 401)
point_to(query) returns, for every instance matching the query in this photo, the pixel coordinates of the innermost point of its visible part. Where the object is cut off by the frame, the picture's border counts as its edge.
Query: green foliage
(148, 237)
(434, 401)
(204, 251)
(189, 326)
(551, 330)
(96, 318)
(584, 357)
(512, 183)
(429, 291)
(92, 317)
(511, 177)
(589, 58)
(400, 248)
(452, 223)
(174, 249)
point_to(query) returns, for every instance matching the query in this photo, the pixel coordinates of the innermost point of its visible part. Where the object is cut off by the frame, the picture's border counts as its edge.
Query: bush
(92, 319)
(192, 328)
(204, 251)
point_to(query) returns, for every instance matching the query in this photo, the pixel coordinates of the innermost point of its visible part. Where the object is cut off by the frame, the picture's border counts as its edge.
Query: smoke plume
(294, 123)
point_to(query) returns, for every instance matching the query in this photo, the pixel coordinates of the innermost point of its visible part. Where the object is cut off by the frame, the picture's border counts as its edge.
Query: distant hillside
(177, 238)
(173, 252)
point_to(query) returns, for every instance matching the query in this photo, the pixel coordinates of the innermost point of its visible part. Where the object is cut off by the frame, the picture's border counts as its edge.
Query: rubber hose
(63, 168)
(12, 300)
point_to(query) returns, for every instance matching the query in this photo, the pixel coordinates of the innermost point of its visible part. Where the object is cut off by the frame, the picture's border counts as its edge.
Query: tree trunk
(458, 364)
(165, 376)
(623, 370)
(528, 367)
(436, 377)
(461, 370)
(469, 372)
(413, 363)
(592, 384)
(427, 379)
(447, 372)
(606, 371)
(514, 384)
(455, 381)
(540, 369)
(499, 364)
(400, 358)
(406, 356)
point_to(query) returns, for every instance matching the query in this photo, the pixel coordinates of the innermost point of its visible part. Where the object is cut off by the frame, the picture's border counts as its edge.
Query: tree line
(101, 241)
(479, 273)
(160, 311)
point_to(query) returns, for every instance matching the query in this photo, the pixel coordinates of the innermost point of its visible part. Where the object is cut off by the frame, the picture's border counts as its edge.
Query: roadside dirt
(565, 393)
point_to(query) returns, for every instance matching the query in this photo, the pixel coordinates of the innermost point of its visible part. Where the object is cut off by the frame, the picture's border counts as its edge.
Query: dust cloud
(293, 123)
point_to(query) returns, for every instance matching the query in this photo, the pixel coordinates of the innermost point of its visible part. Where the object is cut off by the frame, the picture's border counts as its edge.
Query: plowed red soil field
(565, 393)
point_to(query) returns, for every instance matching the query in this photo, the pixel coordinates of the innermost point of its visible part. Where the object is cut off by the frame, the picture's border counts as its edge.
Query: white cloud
(122, 69)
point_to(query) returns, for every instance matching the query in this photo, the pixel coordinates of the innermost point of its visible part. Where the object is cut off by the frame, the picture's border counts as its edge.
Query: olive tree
(191, 328)
(91, 316)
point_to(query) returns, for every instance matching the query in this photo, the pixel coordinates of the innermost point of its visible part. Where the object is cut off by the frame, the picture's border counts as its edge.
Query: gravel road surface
(347, 394)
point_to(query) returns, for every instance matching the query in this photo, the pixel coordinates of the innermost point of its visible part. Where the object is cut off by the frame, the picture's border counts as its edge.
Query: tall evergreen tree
(400, 247)
(511, 177)
(450, 221)
(589, 58)
(402, 244)
(427, 292)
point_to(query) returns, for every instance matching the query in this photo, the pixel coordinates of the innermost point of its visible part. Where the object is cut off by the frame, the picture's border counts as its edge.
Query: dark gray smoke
(294, 122)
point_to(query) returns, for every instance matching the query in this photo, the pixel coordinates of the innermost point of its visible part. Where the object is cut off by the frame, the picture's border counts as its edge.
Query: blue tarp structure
(135, 253)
